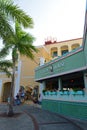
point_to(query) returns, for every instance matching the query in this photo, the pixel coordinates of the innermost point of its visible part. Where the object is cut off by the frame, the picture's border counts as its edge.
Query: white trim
(42, 46)
(0, 88)
(3, 73)
(75, 70)
(26, 77)
(6, 78)
(71, 98)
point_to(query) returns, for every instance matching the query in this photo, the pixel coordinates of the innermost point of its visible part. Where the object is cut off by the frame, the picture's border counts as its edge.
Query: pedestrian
(22, 97)
(40, 99)
(18, 99)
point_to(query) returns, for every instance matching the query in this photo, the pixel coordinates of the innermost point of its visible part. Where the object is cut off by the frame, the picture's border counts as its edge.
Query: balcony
(78, 96)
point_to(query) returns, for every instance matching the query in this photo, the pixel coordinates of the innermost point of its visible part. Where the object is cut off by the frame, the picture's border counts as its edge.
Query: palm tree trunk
(10, 104)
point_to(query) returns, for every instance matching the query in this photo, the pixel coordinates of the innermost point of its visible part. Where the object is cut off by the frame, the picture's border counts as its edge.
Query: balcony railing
(80, 92)
(66, 95)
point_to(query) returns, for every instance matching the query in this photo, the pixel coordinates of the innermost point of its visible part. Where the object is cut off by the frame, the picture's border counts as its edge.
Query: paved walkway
(30, 116)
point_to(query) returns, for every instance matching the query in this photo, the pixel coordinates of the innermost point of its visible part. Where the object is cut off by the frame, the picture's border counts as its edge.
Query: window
(74, 46)
(54, 54)
(64, 49)
(64, 52)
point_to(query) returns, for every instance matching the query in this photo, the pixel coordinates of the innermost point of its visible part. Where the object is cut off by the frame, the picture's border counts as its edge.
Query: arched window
(74, 46)
(54, 52)
(64, 49)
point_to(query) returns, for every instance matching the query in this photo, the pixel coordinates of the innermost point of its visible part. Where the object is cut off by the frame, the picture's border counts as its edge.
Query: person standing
(40, 99)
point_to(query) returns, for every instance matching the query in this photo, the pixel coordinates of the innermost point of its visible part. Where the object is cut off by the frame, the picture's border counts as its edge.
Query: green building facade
(63, 82)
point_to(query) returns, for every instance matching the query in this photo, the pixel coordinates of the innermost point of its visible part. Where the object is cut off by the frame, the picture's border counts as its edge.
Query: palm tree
(8, 14)
(20, 43)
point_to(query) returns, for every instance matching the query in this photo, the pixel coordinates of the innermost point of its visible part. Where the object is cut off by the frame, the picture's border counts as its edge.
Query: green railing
(80, 92)
(77, 96)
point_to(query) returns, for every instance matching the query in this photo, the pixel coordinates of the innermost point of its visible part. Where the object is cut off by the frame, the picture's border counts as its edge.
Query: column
(42, 61)
(59, 51)
(42, 86)
(85, 83)
(69, 48)
(60, 83)
(17, 80)
(0, 89)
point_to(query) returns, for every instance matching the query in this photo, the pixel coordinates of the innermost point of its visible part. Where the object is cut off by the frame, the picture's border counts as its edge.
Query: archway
(74, 46)
(6, 91)
(54, 52)
(64, 49)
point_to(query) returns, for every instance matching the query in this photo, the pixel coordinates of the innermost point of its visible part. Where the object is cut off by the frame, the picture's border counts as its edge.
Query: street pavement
(30, 116)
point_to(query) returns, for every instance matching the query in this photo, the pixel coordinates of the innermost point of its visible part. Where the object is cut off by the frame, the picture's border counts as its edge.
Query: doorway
(6, 91)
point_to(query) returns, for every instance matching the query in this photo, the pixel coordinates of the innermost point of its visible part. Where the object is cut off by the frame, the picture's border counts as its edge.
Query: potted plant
(44, 90)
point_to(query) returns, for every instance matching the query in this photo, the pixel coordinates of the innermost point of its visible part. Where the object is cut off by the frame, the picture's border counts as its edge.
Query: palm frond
(5, 70)
(5, 28)
(15, 13)
(4, 52)
(20, 16)
(5, 65)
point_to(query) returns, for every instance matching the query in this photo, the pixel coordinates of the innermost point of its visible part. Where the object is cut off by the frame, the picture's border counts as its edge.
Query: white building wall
(41, 87)
(0, 88)
(42, 60)
(17, 80)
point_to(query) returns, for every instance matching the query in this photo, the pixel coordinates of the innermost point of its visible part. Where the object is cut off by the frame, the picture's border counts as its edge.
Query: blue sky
(58, 19)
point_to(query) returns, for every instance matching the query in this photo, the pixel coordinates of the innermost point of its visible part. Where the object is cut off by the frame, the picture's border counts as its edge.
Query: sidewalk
(30, 116)
(31, 103)
(18, 122)
(80, 122)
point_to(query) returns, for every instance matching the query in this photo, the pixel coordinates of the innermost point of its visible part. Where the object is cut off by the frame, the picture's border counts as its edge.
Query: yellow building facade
(26, 67)
(59, 48)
